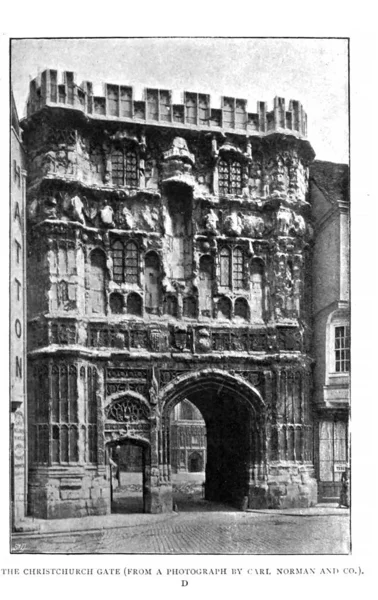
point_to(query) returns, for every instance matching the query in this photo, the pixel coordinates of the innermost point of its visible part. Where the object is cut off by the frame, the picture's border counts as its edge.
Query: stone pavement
(319, 530)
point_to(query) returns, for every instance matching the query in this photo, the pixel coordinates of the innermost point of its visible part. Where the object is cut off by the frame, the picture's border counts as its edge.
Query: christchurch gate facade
(168, 259)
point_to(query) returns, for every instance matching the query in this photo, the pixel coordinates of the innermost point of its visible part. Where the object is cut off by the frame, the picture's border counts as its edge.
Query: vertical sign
(17, 327)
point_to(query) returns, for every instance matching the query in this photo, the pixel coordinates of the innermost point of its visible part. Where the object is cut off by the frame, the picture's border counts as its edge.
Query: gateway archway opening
(234, 439)
(127, 466)
(188, 450)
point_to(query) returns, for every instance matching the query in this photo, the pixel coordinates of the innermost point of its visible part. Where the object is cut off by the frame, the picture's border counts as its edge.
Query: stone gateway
(169, 259)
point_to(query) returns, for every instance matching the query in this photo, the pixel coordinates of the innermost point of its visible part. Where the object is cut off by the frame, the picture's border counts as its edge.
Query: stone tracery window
(124, 168)
(132, 262)
(117, 253)
(232, 268)
(238, 268)
(64, 414)
(230, 176)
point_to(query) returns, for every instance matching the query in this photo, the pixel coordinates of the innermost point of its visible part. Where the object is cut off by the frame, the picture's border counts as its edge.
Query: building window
(238, 268)
(165, 106)
(132, 263)
(126, 102)
(232, 268)
(152, 105)
(64, 414)
(124, 168)
(113, 100)
(117, 167)
(118, 262)
(131, 169)
(191, 108)
(342, 349)
(230, 177)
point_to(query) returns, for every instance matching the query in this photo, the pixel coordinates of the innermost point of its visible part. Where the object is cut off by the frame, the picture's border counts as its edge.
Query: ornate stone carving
(211, 222)
(107, 216)
(203, 340)
(233, 225)
(252, 226)
(127, 410)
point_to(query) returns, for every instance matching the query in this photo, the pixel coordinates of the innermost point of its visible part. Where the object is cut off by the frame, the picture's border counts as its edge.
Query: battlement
(118, 103)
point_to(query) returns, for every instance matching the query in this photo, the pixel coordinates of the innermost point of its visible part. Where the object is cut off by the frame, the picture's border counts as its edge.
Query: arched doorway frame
(118, 433)
(185, 385)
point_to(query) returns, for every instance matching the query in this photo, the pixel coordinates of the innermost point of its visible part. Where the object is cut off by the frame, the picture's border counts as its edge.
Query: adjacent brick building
(169, 259)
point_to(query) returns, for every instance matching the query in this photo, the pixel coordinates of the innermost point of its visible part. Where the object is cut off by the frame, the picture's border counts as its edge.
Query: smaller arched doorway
(127, 436)
(127, 459)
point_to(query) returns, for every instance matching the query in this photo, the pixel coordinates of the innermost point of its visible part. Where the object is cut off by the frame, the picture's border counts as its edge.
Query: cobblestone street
(309, 531)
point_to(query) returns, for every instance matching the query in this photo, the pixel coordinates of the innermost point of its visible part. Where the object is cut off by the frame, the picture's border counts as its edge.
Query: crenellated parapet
(156, 106)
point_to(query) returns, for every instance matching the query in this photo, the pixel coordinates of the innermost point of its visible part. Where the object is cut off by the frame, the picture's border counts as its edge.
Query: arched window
(117, 167)
(97, 281)
(241, 309)
(118, 261)
(230, 177)
(257, 292)
(224, 308)
(124, 168)
(132, 263)
(205, 291)
(134, 304)
(225, 267)
(238, 269)
(152, 282)
(131, 168)
(116, 303)
(190, 307)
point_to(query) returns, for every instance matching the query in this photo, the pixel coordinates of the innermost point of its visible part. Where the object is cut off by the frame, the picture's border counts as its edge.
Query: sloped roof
(332, 179)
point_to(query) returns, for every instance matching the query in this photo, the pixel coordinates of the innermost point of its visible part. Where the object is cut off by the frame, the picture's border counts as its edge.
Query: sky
(313, 71)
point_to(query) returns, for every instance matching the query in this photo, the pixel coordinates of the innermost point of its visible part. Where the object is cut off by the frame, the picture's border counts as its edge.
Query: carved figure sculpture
(106, 215)
(284, 221)
(128, 218)
(253, 226)
(299, 224)
(77, 209)
(211, 222)
(233, 224)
